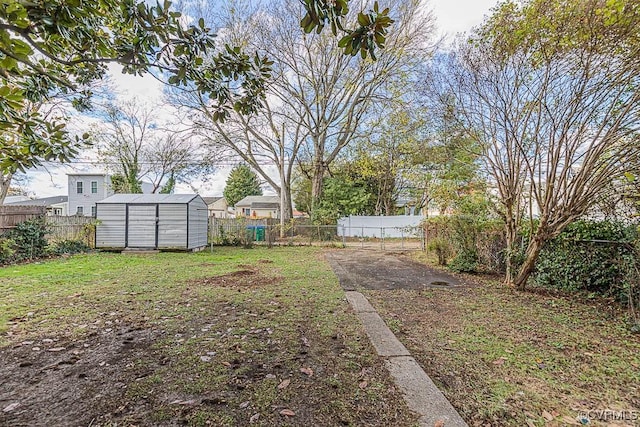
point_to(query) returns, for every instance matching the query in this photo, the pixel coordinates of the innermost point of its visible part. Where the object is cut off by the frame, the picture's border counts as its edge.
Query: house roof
(259, 202)
(45, 201)
(264, 205)
(149, 198)
(211, 200)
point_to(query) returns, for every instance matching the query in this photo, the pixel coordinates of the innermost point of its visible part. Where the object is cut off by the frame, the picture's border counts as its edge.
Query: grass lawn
(237, 337)
(508, 358)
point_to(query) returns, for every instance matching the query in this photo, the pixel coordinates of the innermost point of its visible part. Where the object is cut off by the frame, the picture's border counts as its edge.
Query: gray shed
(151, 221)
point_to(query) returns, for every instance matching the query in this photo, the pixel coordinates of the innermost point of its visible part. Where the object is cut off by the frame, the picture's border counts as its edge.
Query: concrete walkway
(420, 393)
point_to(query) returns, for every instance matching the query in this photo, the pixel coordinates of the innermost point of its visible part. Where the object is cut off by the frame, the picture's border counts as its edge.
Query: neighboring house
(56, 205)
(259, 207)
(13, 199)
(85, 190)
(217, 206)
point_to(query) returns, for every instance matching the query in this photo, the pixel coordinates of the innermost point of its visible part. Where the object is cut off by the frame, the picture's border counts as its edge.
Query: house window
(79, 210)
(94, 187)
(247, 211)
(93, 211)
(79, 187)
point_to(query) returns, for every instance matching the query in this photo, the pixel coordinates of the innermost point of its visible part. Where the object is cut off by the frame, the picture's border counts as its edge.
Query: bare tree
(136, 145)
(317, 97)
(550, 91)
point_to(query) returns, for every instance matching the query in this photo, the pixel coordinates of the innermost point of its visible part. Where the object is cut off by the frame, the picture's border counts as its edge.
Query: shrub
(465, 262)
(7, 250)
(588, 256)
(29, 238)
(442, 248)
(70, 247)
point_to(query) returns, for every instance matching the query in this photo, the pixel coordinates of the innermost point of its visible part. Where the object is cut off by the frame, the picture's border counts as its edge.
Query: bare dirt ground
(380, 270)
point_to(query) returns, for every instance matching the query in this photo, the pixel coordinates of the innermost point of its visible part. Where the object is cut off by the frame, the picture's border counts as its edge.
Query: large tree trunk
(531, 256)
(5, 183)
(317, 181)
(511, 237)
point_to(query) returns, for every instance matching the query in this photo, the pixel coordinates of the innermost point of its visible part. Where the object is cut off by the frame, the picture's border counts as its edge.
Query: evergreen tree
(242, 182)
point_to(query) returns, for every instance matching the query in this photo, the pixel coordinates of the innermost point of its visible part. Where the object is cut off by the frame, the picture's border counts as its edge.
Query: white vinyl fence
(399, 226)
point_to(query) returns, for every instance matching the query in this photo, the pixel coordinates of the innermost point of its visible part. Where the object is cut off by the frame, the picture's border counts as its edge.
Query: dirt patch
(238, 279)
(385, 271)
(53, 381)
(265, 261)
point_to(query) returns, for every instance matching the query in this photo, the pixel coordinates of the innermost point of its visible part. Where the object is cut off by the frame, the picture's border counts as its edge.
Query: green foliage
(442, 248)
(126, 184)
(63, 46)
(371, 28)
(29, 238)
(587, 256)
(465, 261)
(476, 242)
(242, 182)
(7, 249)
(340, 198)
(70, 247)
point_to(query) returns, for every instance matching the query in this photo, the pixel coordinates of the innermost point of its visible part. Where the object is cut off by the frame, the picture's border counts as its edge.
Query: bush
(7, 250)
(588, 256)
(442, 248)
(476, 242)
(70, 247)
(29, 238)
(465, 262)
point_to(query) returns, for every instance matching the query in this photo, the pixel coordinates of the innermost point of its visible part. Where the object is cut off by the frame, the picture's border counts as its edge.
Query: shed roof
(253, 201)
(149, 198)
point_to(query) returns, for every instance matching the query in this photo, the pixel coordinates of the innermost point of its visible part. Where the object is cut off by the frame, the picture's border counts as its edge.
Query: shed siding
(142, 226)
(111, 230)
(198, 221)
(172, 226)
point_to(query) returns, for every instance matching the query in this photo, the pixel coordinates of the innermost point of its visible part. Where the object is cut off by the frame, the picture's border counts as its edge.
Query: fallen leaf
(498, 362)
(227, 364)
(305, 341)
(254, 418)
(244, 404)
(530, 423)
(205, 358)
(568, 420)
(547, 416)
(11, 407)
(363, 384)
(287, 412)
(56, 349)
(284, 384)
(438, 423)
(184, 402)
(307, 371)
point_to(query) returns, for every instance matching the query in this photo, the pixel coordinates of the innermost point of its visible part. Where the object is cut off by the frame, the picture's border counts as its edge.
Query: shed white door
(142, 226)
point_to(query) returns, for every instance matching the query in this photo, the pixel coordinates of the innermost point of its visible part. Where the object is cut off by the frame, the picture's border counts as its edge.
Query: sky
(452, 17)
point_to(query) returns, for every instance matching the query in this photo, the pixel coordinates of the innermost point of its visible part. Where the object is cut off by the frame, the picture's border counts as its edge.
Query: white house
(85, 190)
(56, 205)
(217, 206)
(258, 207)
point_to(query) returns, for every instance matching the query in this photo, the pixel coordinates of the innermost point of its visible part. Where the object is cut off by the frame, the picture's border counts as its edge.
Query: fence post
(402, 238)
(382, 238)
(344, 238)
(362, 237)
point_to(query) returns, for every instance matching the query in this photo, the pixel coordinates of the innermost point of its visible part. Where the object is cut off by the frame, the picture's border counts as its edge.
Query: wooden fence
(81, 228)
(10, 216)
